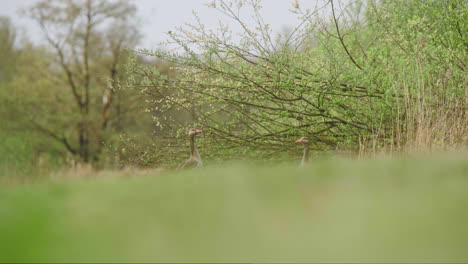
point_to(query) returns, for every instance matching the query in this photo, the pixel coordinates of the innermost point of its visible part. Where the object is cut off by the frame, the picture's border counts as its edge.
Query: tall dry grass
(428, 114)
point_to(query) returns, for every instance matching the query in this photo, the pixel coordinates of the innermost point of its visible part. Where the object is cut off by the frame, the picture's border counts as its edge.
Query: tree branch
(53, 135)
(340, 37)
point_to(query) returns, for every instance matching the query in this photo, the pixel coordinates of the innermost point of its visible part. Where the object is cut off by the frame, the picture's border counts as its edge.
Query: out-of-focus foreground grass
(411, 210)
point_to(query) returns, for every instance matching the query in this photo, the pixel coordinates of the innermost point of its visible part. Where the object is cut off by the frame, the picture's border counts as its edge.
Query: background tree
(85, 72)
(8, 53)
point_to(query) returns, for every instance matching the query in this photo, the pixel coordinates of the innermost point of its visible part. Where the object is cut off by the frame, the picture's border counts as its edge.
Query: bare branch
(340, 37)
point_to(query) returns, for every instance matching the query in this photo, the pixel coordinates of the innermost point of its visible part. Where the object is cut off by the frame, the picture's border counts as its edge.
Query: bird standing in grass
(305, 157)
(195, 159)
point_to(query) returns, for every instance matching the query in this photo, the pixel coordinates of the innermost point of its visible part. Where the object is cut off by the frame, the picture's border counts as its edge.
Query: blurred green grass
(389, 210)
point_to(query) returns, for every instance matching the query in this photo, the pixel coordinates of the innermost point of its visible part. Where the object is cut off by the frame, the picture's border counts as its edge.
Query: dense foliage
(366, 75)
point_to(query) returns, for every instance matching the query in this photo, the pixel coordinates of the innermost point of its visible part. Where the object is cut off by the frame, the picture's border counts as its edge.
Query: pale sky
(161, 16)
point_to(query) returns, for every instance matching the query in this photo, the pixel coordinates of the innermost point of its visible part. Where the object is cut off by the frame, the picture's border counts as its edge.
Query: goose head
(193, 131)
(303, 140)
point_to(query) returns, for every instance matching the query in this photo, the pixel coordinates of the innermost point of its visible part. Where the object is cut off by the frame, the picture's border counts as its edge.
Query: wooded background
(356, 76)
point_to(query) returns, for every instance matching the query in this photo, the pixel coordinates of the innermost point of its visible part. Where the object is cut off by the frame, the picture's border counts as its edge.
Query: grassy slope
(387, 210)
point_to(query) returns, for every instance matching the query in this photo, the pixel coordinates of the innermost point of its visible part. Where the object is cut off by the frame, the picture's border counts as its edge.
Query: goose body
(195, 159)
